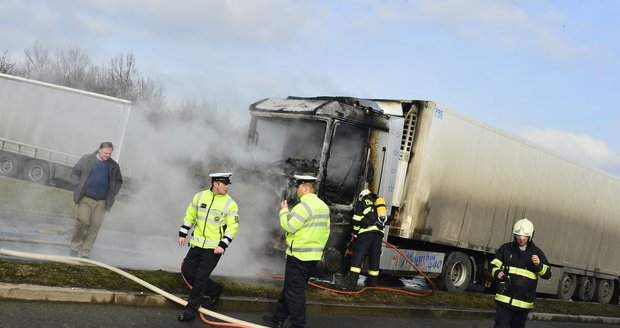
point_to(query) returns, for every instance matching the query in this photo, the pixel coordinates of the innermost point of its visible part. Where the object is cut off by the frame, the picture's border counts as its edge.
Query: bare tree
(7, 65)
(38, 65)
(71, 68)
(123, 75)
(151, 93)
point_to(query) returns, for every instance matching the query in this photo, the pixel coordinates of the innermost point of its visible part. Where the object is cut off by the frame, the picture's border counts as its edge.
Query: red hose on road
(395, 290)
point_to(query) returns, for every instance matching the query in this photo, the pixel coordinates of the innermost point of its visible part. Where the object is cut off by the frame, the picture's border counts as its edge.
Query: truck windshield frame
(299, 142)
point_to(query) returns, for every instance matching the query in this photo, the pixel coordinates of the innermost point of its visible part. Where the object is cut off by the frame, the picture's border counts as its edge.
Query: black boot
(187, 315)
(349, 282)
(372, 281)
(273, 321)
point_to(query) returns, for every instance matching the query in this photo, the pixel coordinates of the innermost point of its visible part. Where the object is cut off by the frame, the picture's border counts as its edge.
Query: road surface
(16, 314)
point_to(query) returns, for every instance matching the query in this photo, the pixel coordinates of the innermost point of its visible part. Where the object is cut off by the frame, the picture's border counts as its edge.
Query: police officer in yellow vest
(516, 269)
(214, 215)
(307, 228)
(368, 222)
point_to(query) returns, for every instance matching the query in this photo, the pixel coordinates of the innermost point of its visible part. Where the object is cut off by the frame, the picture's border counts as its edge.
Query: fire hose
(229, 321)
(396, 290)
(232, 322)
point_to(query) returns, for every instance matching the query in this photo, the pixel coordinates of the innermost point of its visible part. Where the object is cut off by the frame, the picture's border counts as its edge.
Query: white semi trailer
(453, 186)
(46, 128)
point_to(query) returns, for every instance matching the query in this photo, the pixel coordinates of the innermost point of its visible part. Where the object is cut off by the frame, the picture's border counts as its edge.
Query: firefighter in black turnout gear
(368, 222)
(516, 269)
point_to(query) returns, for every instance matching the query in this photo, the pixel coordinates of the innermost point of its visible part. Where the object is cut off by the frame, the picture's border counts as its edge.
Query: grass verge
(63, 275)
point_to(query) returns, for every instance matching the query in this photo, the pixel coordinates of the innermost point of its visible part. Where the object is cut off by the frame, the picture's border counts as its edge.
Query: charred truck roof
(353, 110)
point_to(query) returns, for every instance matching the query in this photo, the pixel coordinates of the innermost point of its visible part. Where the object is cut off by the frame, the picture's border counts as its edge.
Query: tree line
(74, 68)
(119, 77)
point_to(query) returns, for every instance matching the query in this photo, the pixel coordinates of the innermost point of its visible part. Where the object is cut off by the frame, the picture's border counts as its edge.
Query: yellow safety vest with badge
(307, 228)
(216, 220)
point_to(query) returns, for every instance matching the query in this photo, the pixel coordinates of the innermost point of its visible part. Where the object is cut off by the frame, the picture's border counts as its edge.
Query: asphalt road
(16, 314)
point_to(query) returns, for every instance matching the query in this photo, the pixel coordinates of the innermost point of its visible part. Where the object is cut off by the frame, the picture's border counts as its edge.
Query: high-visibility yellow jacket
(216, 220)
(307, 228)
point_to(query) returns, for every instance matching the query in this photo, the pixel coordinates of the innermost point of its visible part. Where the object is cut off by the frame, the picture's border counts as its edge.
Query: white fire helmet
(364, 193)
(523, 227)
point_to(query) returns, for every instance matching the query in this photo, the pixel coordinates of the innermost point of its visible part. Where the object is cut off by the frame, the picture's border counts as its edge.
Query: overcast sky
(545, 70)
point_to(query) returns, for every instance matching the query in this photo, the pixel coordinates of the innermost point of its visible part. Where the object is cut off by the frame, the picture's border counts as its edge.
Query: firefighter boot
(350, 281)
(339, 280)
(372, 281)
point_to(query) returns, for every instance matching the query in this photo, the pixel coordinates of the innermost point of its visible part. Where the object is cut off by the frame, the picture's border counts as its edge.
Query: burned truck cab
(328, 137)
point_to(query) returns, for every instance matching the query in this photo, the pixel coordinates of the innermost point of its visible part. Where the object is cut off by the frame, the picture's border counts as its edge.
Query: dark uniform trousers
(507, 317)
(367, 242)
(197, 267)
(292, 301)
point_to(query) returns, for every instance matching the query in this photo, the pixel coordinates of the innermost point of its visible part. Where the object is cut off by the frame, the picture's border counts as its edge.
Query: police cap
(299, 179)
(221, 177)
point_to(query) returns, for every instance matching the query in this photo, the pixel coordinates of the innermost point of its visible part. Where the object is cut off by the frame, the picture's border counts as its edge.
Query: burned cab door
(343, 175)
(345, 163)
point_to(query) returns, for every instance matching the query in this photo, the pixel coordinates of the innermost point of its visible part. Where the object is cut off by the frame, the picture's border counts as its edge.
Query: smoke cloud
(169, 162)
(164, 163)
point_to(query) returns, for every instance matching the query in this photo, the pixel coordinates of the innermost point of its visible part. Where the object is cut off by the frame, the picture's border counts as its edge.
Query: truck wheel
(585, 290)
(604, 291)
(37, 171)
(9, 165)
(456, 274)
(332, 260)
(567, 286)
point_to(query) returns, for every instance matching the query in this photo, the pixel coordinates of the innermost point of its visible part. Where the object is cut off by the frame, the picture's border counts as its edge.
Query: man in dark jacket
(97, 179)
(516, 269)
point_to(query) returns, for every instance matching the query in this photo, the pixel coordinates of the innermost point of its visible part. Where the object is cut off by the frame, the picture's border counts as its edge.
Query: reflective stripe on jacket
(365, 211)
(518, 290)
(215, 219)
(307, 228)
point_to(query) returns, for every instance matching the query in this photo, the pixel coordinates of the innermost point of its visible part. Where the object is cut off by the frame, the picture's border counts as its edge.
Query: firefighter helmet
(523, 227)
(364, 193)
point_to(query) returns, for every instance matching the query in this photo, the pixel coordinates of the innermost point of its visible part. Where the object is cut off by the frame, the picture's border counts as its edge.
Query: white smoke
(156, 159)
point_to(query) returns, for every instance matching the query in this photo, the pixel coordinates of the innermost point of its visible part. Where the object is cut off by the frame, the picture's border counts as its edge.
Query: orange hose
(204, 319)
(395, 290)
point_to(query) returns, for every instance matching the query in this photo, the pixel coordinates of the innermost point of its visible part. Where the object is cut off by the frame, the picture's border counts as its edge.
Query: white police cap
(221, 177)
(299, 179)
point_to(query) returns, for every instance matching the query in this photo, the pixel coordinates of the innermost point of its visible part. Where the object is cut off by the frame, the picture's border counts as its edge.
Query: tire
(456, 274)
(37, 171)
(9, 165)
(332, 260)
(567, 286)
(604, 291)
(585, 289)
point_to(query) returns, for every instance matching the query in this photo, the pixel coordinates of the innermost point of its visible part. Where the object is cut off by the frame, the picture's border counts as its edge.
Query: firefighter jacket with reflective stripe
(307, 228)
(518, 289)
(215, 219)
(365, 217)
